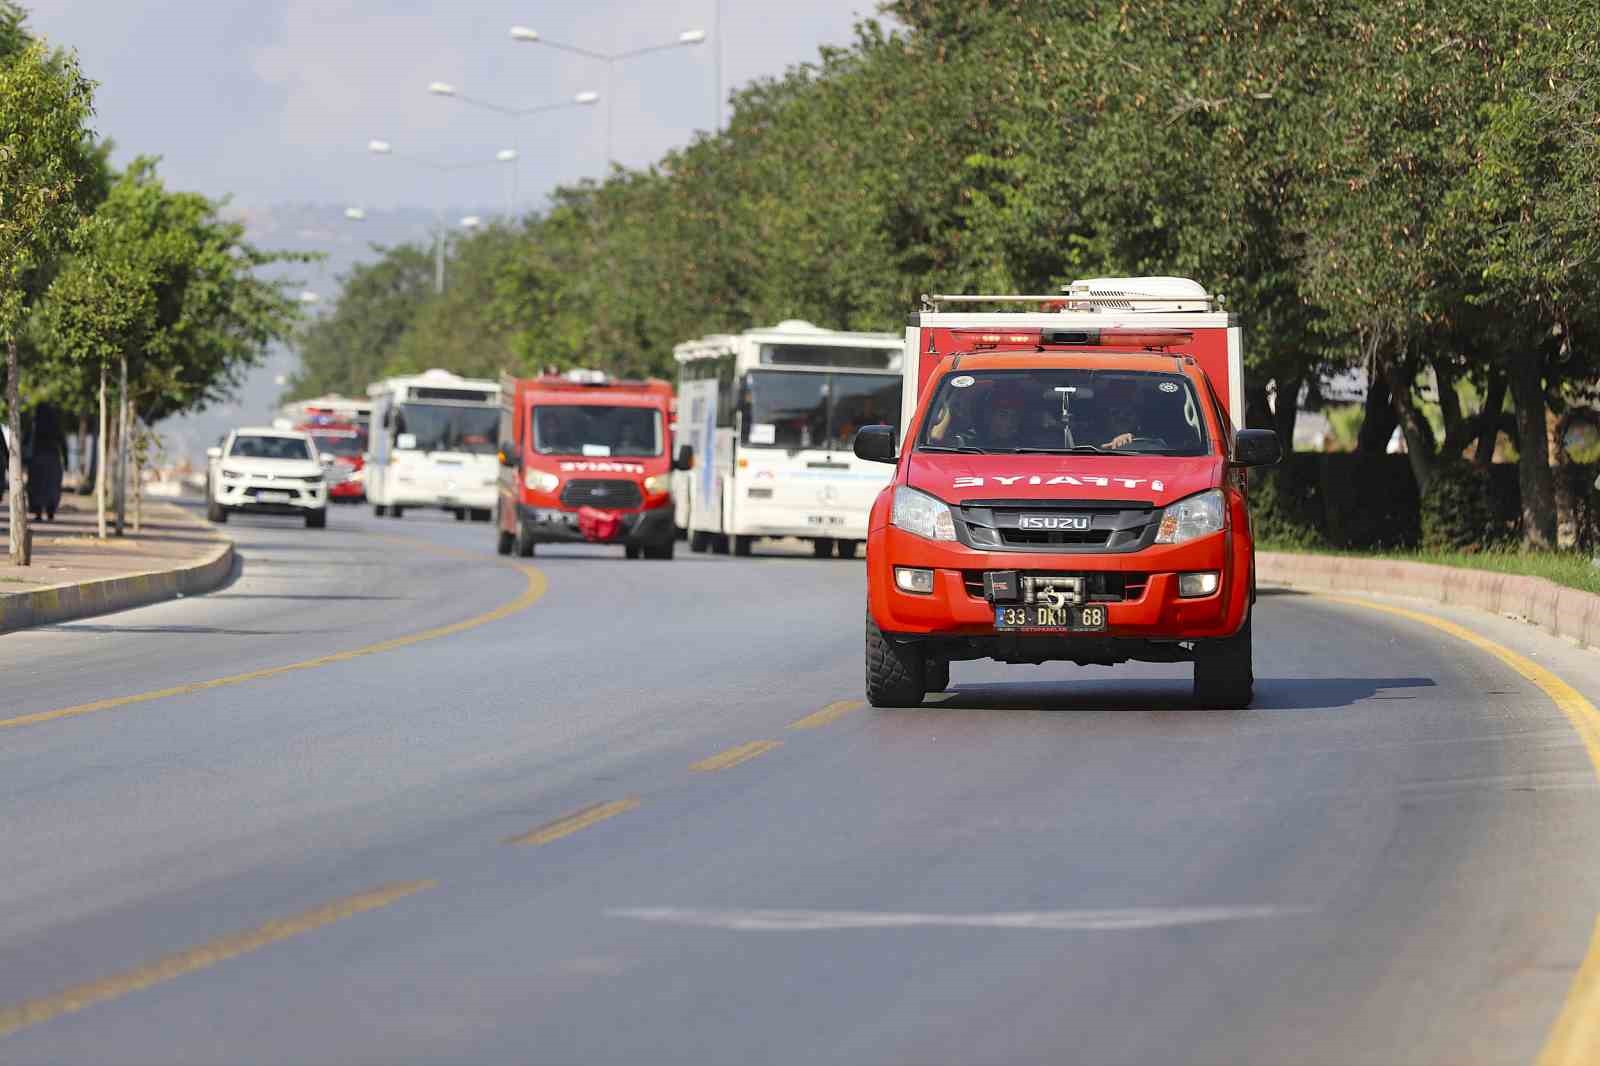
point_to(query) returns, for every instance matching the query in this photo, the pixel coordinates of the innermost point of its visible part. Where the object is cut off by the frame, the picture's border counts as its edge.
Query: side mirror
(508, 456)
(213, 452)
(685, 459)
(1256, 447)
(876, 444)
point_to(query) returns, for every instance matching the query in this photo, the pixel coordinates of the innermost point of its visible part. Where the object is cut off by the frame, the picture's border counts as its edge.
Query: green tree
(44, 104)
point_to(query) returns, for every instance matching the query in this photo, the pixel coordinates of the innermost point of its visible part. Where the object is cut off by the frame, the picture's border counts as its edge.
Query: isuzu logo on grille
(1053, 521)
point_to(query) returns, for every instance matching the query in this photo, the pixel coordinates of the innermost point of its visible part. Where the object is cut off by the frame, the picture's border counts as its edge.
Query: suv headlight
(1193, 517)
(231, 475)
(917, 512)
(657, 484)
(540, 480)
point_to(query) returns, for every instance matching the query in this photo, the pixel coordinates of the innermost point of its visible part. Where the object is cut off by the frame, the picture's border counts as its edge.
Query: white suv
(267, 471)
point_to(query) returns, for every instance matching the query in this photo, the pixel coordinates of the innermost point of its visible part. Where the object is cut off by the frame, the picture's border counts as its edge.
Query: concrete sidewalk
(74, 574)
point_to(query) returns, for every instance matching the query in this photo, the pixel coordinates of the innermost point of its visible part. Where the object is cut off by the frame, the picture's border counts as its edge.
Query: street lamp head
(588, 96)
(441, 88)
(309, 297)
(524, 33)
(506, 155)
(380, 147)
(691, 36)
(471, 222)
(355, 214)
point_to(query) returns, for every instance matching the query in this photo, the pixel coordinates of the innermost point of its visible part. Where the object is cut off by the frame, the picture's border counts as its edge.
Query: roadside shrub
(1369, 501)
(1286, 503)
(1461, 511)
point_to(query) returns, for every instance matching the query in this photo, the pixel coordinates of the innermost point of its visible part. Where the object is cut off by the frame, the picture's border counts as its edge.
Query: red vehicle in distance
(346, 442)
(586, 459)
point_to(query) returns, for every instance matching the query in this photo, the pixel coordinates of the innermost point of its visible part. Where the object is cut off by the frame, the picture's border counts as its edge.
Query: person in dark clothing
(46, 452)
(5, 465)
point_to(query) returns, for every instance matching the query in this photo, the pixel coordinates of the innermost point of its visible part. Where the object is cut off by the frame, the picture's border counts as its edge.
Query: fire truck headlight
(917, 512)
(540, 480)
(658, 484)
(1193, 517)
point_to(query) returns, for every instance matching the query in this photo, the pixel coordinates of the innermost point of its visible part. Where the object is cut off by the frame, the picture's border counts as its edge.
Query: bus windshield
(1057, 410)
(809, 410)
(596, 430)
(443, 428)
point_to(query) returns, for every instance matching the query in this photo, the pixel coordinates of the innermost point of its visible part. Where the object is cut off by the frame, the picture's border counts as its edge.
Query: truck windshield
(596, 430)
(1053, 410)
(823, 411)
(441, 427)
(346, 442)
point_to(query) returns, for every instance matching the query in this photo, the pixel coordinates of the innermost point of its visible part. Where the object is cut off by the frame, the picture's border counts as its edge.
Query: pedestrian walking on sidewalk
(5, 464)
(46, 452)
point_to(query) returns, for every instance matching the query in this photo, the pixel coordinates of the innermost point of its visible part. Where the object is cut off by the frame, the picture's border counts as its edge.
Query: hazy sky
(275, 100)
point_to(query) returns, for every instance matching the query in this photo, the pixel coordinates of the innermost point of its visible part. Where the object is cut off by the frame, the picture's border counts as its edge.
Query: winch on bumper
(552, 525)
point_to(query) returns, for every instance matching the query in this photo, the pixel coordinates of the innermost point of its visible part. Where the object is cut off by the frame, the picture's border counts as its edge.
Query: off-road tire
(896, 673)
(317, 519)
(664, 550)
(461, 514)
(523, 544)
(822, 547)
(217, 513)
(631, 551)
(845, 549)
(1224, 674)
(935, 675)
(742, 545)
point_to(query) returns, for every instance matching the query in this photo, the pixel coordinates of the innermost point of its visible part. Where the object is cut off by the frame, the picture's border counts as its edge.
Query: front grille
(1113, 525)
(602, 492)
(1109, 586)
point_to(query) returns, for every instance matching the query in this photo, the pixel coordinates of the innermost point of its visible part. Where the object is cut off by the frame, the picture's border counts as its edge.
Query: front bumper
(275, 496)
(551, 525)
(1154, 612)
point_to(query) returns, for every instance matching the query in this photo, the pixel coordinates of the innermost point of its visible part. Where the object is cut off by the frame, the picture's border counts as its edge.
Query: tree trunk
(1456, 432)
(1533, 456)
(21, 545)
(1489, 419)
(1566, 502)
(83, 449)
(122, 449)
(138, 475)
(1377, 425)
(1286, 412)
(100, 461)
(1413, 426)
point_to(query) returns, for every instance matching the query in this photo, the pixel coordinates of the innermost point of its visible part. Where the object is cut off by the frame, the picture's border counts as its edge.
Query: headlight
(231, 475)
(540, 480)
(1193, 517)
(917, 512)
(658, 484)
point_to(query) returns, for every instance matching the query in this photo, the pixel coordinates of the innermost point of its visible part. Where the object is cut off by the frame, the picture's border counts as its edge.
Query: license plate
(1038, 617)
(274, 497)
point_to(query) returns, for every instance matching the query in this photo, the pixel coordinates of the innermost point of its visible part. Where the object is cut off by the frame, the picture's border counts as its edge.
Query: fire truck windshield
(1055, 410)
(596, 430)
(345, 442)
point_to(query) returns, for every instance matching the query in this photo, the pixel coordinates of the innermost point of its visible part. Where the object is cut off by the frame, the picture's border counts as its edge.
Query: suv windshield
(442, 428)
(807, 410)
(270, 448)
(1053, 410)
(595, 430)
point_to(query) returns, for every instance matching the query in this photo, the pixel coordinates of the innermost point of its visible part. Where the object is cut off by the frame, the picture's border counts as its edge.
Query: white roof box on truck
(1139, 294)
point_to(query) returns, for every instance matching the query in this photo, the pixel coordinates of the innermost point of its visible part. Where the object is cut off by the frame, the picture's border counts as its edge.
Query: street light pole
(688, 38)
(382, 147)
(510, 155)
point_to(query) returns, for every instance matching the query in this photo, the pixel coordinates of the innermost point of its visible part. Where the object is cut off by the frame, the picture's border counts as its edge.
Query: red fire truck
(347, 443)
(586, 459)
(1070, 486)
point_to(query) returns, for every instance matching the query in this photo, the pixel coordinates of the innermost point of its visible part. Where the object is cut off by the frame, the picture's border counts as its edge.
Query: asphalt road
(585, 831)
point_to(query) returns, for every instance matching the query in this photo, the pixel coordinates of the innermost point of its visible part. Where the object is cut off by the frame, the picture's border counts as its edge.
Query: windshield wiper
(969, 449)
(1085, 449)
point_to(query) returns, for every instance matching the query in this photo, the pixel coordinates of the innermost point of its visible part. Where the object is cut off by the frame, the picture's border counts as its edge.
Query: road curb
(1557, 609)
(64, 603)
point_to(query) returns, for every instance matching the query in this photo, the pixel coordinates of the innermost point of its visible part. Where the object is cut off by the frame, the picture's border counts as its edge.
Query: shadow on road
(214, 631)
(1272, 694)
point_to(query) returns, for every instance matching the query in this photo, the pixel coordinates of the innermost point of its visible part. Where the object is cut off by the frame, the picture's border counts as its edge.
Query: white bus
(433, 443)
(771, 415)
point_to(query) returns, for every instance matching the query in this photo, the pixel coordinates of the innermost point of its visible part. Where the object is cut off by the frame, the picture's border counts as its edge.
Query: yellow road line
(1575, 1038)
(831, 713)
(536, 587)
(735, 756)
(76, 998)
(572, 823)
